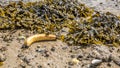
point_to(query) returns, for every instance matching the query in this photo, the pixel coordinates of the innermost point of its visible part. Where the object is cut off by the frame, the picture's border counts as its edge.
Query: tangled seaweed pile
(72, 22)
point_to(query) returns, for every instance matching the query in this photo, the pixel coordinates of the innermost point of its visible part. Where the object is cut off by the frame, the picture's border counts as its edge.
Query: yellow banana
(39, 37)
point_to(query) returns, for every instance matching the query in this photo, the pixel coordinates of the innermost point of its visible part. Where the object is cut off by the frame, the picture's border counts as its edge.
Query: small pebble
(116, 60)
(96, 61)
(64, 47)
(109, 64)
(53, 49)
(21, 37)
(74, 61)
(3, 49)
(26, 60)
(40, 50)
(39, 66)
(47, 54)
(22, 65)
(118, 50)
(72, 56)
(2, 58)
(80, 56)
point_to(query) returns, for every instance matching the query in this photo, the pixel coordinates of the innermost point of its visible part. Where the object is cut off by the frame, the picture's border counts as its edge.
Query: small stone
(47, 54)
(39, 66)
(20, 56)
(74, 61)
(80, 56)
(22, 65)
(53, 49)
(117, 62)
(64, 47)
(40, 50)
(101, 3)
(118, 51)
(3, 49)
(38, 46)
(96, 61)
(7, 44)
(72, 56)
(64, 29)
(92, 66)
(26, 60)
(109, 64)
(116, 5)
(106, 58)
(21, 37)
(2, 58)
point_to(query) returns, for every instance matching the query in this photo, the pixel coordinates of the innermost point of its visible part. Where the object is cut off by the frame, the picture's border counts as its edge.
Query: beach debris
(39, 37)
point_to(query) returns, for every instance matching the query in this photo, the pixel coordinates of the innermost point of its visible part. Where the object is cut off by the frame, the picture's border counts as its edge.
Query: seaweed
(86, 26)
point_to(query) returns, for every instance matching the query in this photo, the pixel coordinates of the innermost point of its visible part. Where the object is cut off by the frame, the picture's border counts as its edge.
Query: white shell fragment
(96, 61)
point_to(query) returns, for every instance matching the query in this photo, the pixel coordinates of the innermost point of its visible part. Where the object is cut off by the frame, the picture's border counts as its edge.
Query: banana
(39, 37)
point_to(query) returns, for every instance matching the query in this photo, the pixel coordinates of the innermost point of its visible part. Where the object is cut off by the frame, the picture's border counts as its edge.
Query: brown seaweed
(86, 26)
